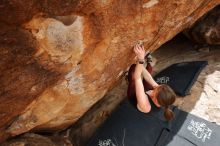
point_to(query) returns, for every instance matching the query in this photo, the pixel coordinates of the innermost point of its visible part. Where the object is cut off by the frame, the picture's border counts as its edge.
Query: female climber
(161, 95)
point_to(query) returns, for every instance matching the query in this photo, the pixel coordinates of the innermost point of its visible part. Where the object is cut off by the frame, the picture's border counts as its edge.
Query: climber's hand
(139, 51)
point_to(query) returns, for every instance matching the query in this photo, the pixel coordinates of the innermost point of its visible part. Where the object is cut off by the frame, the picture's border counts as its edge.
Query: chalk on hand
(140, 42)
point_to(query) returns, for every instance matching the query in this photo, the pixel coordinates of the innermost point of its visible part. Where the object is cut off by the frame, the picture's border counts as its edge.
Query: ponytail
(168, 113)
(166, 97)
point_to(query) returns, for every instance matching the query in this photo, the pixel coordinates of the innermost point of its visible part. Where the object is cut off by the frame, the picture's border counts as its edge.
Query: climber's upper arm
(142, 100)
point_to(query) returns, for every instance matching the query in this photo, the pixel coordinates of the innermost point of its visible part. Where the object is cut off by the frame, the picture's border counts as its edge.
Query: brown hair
(166, 97)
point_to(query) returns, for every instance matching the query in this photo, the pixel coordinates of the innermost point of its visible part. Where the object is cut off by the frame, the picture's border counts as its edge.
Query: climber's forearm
(138, 71)
(148, 78)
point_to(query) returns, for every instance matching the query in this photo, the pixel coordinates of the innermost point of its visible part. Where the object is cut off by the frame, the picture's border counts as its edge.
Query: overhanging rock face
(59, 58)
(207, 29)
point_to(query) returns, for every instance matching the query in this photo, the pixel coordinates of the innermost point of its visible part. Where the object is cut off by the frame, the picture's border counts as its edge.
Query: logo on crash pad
(163, 80)
(107, 142)
(200, 130)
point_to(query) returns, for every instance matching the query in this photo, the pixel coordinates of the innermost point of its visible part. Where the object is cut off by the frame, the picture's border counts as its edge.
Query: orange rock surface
(58, 58)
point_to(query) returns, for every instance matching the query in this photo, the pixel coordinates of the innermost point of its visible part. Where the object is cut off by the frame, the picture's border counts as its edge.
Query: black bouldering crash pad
(129, 127)
(168, 138)
(181, 76)
(195, 129)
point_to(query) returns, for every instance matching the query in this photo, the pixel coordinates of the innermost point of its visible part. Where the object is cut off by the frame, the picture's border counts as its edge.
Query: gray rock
(206, 30)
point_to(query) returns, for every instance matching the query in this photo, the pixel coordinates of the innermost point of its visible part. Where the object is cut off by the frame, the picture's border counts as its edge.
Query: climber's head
(165, 97)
